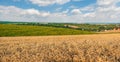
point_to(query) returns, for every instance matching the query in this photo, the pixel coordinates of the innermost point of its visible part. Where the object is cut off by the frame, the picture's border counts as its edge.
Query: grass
(84, 48)
(25, 30)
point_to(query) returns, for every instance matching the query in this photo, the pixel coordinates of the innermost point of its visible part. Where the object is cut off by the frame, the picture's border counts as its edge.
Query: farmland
(29, 30)
(59, 30)
(59, 42)
(45, 29)
(70, 48)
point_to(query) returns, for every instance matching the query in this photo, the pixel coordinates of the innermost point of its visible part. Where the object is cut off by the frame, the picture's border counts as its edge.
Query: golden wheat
(78, 48)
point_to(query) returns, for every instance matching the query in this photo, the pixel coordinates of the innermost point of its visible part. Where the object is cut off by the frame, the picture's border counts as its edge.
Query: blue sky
(25, 4)
(77, 11)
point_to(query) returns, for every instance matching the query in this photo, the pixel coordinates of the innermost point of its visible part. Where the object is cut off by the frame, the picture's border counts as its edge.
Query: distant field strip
(26, 30)
(70, 48)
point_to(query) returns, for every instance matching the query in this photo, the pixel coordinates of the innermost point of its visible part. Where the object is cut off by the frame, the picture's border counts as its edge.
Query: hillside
(29, 30)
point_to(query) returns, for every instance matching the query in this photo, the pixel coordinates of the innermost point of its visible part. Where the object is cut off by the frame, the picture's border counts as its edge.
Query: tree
(101, 28)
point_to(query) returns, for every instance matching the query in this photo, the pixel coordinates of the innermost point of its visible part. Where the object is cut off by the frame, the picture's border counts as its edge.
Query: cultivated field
(30, 30)
(71, 48)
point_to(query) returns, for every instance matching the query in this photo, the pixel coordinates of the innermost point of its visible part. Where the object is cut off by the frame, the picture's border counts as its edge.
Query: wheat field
(70, 48)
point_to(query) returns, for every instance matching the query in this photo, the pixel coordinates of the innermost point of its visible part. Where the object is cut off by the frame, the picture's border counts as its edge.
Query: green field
(29, 30)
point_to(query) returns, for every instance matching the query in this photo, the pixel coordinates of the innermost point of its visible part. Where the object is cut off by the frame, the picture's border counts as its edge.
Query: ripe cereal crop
(69, 48)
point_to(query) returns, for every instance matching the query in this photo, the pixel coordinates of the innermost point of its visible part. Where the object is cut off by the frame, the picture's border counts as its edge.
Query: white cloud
(104, 12)
(89, 15)
(48, 2)
(76, 11)
(13, 13)
(88, 8)
(108, 10)
(35, 12)
(66, 11)
(105, 2)
(17, 14)
(31, 12)
(58, 9)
